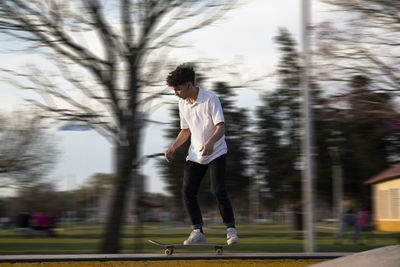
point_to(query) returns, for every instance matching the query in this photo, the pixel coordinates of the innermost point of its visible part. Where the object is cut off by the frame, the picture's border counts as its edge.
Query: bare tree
(27, 151)
(365, 42)
(108, 80)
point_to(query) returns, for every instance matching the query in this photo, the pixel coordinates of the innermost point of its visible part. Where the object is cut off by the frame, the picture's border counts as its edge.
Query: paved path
(388, 256)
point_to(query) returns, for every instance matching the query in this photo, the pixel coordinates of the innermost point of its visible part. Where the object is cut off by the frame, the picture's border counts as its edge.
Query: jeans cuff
(231, 224)
(197, 226)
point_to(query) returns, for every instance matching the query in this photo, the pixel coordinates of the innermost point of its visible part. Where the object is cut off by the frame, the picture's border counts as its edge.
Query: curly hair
(182, 74)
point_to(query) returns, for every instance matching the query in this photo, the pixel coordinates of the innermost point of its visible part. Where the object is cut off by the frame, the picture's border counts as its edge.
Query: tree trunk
(116, 210)
(139, 204)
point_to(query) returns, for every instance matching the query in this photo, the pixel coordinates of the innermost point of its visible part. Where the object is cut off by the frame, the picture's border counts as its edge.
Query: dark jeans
(192, 178)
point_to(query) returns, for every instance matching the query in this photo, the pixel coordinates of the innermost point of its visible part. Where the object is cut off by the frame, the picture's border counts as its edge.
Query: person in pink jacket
(41, 221)
(363, 223)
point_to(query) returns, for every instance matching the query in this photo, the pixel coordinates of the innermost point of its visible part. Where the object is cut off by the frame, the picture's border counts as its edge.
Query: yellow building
(386, 199)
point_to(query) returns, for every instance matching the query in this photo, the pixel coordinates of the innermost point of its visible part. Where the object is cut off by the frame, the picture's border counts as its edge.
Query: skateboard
(169, 248)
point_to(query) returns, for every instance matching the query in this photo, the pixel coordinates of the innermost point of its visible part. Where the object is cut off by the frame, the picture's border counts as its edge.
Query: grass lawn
(263, 238)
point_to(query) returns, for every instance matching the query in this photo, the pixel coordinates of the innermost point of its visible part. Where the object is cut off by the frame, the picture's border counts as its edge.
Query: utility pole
(307, 131)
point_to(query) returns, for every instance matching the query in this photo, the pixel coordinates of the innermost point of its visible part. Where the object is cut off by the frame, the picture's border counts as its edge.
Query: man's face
(181, 90)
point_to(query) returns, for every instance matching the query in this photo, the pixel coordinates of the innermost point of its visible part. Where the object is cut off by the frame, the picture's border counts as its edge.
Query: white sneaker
(196, 237)
(231, 236)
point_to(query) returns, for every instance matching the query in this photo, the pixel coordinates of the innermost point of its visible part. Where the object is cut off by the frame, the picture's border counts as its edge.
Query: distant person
(41, 222)
(23, 224)
(201, 119)
(348, 219)
(52, 225)
(23, 220)
(363, 226)
(297, 209)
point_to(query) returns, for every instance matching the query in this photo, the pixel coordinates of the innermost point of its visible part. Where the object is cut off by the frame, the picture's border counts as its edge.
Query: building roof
(387, 174)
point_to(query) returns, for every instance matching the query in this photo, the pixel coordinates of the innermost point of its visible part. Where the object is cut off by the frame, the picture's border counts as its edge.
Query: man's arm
(182, 137)
(208, 147)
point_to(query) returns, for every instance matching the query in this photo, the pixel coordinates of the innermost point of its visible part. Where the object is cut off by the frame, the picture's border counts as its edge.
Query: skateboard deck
(169, 248)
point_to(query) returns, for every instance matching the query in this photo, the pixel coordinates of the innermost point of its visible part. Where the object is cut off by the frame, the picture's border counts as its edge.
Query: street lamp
(337, 181)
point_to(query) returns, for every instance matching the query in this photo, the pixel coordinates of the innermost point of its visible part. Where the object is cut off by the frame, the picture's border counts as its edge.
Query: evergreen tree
(362, 123)
(326, 136)
(237, 160)
(278, 131)
(369, 124)
(277, 138)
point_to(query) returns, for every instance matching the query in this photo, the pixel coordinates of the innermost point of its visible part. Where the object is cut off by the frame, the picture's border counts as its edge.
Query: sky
(243, 40)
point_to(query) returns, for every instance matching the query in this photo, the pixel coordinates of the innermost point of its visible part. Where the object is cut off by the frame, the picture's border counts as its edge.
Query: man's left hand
(207, 149)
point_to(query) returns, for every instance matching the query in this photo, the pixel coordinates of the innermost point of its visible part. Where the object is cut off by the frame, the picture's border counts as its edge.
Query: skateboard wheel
(219, 251)
(169, 251)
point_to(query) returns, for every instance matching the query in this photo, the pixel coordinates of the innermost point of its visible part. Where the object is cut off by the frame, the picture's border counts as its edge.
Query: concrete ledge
(385, 256)
(161, 257)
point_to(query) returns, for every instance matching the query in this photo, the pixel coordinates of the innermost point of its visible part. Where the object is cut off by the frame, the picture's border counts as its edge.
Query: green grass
(265, 238)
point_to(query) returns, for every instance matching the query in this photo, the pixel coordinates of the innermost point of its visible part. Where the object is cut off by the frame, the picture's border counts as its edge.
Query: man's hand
(169, 154)
(207, 149)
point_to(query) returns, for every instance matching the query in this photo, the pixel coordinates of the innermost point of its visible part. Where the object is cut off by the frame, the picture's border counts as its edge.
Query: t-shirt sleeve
(184, 124)
(216, 110)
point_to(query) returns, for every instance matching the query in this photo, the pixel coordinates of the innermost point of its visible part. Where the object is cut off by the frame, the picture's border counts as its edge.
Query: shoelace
(230, 234)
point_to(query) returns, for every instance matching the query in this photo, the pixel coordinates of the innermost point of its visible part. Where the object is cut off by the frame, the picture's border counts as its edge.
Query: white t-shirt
(201, 118)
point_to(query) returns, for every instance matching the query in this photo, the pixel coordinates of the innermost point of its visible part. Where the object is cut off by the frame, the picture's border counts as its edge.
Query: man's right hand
(169, 154)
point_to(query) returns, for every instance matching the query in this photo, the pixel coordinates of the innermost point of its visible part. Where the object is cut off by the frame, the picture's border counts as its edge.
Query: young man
(202, 120)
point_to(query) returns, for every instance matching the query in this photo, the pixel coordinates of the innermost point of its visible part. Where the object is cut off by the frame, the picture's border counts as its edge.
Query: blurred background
(85, 113)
